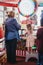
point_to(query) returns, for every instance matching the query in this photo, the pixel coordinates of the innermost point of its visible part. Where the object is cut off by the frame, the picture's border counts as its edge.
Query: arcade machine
(3, 16)
(2, 45)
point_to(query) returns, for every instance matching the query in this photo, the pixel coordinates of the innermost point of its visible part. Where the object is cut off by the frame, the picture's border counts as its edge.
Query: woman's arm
(17, 25)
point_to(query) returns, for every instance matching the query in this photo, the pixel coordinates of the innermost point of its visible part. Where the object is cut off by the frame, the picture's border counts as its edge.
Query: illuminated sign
(27, 7)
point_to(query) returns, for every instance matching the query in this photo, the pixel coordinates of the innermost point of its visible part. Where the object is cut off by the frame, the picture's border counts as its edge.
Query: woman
(39, 43)
(11, 37)
(30, 39)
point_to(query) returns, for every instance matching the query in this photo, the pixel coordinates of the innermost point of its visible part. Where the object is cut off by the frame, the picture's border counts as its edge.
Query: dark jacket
(40, 40)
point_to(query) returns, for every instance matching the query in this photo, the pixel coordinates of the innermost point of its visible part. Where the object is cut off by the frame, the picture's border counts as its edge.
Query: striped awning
(10, 3)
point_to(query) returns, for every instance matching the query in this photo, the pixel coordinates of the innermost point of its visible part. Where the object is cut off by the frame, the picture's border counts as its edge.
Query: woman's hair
(11, 14)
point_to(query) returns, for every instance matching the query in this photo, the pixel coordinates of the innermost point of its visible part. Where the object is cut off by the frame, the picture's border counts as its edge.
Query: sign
(25, 9)
(27, 21)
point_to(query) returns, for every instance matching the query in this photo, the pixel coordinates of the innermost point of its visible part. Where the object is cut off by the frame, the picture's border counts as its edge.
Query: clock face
(27, 7)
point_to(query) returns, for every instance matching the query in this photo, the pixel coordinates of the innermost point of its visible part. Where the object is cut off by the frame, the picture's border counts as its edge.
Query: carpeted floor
(21, 61)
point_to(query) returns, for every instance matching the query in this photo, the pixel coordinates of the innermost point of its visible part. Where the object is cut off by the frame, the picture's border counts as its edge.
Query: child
(30, 41)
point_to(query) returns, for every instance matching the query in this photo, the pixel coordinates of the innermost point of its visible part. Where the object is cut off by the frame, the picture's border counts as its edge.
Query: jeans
(40, 60)
(11, 50)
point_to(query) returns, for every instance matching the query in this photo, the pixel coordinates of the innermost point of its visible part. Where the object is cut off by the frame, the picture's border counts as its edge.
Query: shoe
(39, 64)
(14, 62)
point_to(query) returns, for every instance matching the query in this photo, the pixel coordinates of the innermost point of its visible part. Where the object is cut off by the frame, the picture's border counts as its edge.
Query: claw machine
(1, 30)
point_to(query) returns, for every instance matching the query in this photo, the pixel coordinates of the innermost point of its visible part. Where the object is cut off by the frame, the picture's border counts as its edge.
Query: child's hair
(29, 27)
